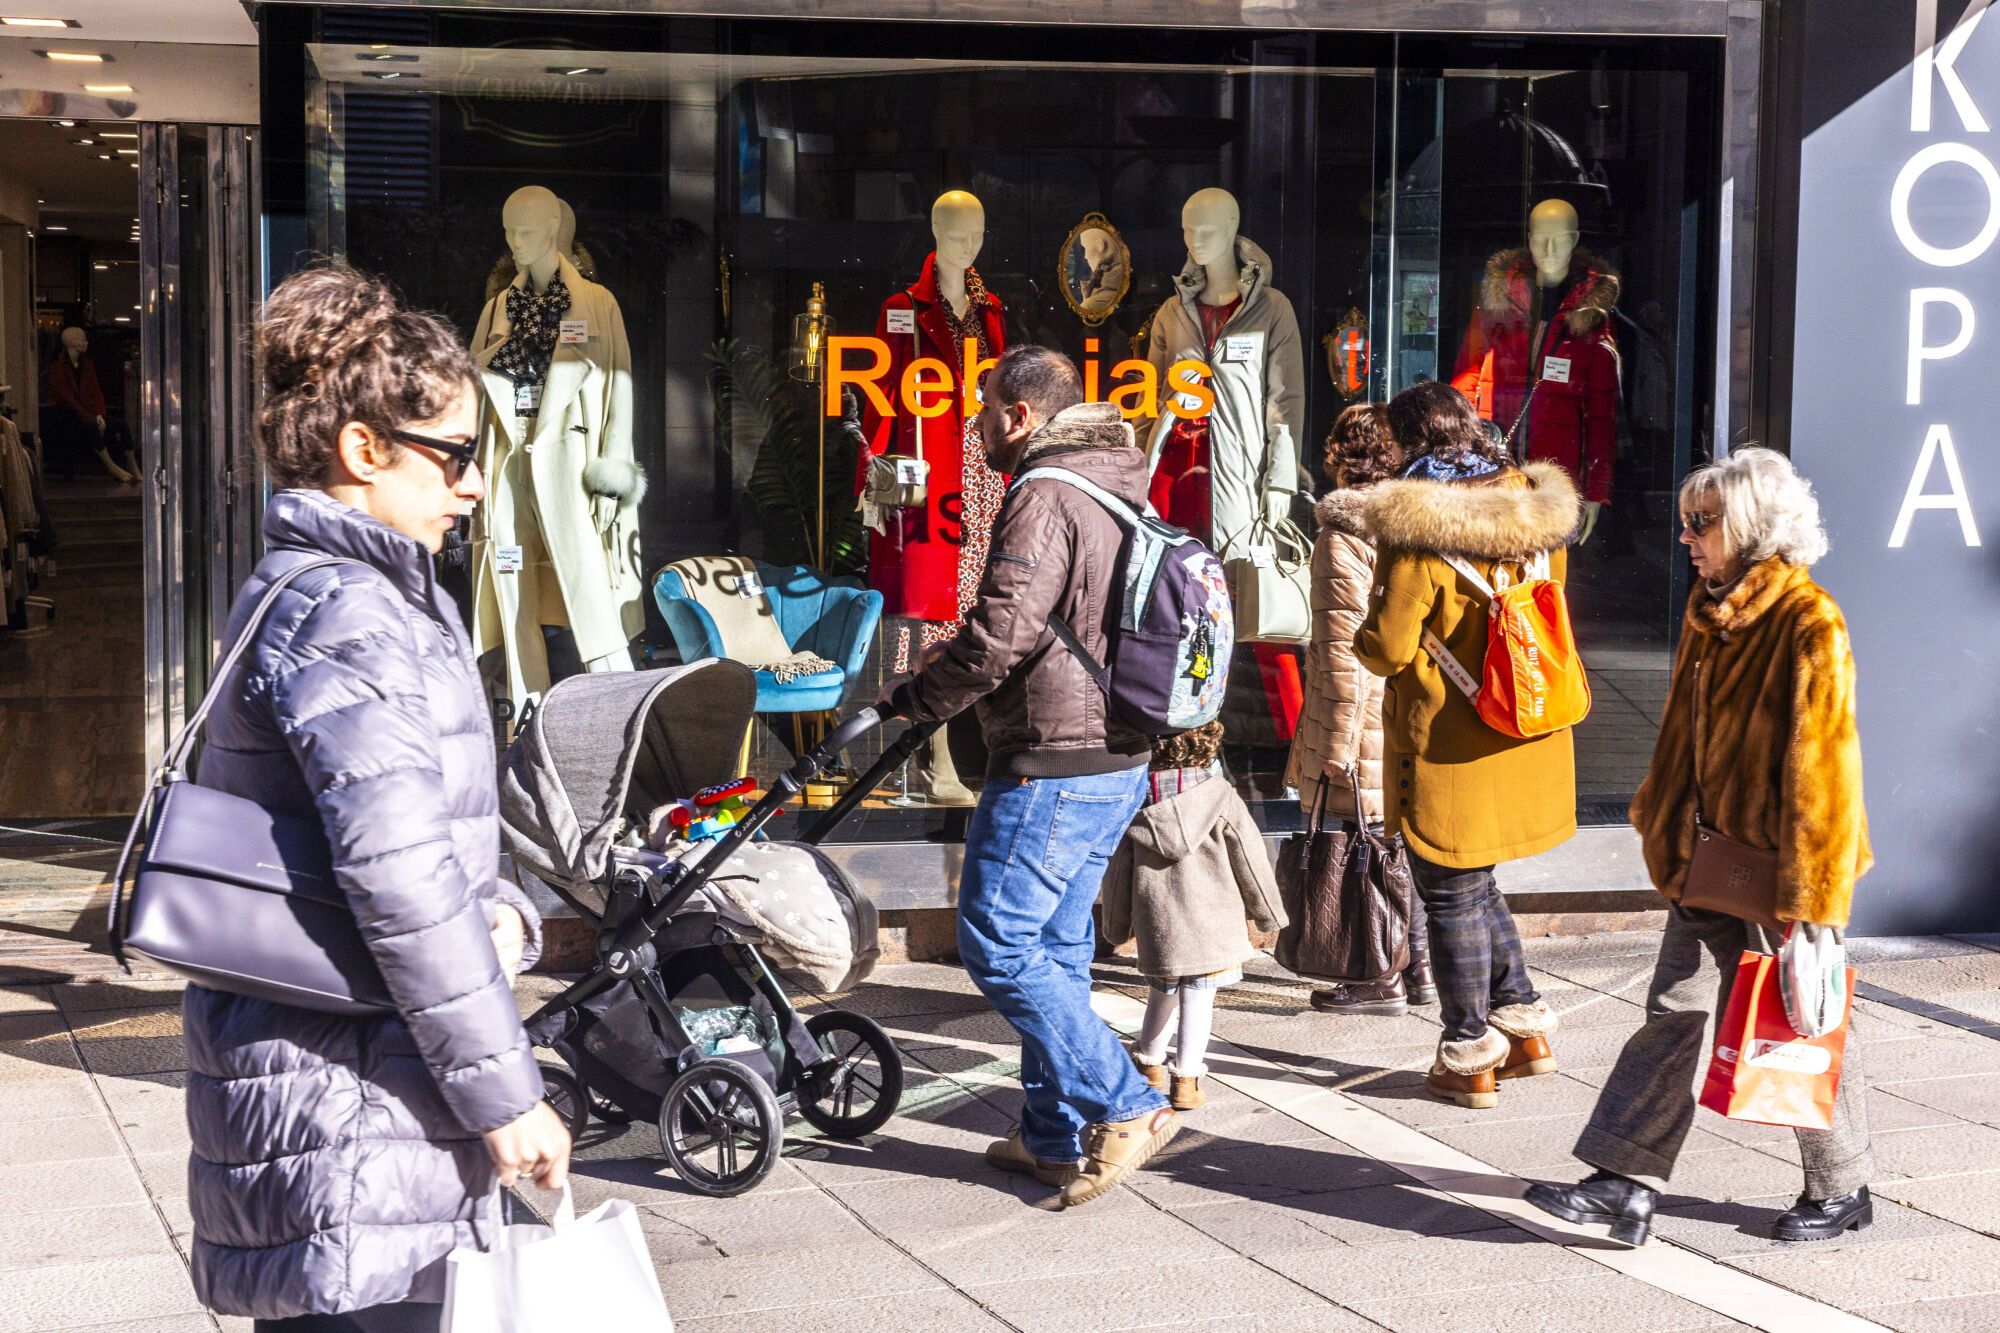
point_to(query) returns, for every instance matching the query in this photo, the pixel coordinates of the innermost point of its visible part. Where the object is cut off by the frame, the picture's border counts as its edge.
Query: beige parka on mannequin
(577, 470)
(1260, 396)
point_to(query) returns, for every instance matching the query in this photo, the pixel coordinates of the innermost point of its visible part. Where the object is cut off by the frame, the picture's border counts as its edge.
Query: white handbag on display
(584, 1272)
(1271, 585)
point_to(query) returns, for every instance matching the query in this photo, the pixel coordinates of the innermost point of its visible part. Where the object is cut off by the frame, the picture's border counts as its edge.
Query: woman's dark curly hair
(1188, 749)
(1434, 419)
(335, 345)
(1359, 448)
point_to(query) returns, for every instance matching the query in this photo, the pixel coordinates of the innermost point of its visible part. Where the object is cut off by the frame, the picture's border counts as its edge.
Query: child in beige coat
(1190, 868)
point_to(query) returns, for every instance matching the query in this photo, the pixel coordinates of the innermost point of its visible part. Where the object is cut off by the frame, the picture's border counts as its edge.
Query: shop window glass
(735, 209)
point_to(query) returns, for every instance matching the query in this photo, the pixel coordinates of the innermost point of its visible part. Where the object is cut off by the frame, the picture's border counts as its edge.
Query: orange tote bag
(1762, 1070)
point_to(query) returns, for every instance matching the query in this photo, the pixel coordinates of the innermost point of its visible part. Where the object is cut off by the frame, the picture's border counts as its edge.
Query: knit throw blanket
(727, 587)
(532, 325)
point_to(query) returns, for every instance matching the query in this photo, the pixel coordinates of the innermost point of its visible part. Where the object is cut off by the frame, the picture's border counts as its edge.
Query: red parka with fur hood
(1573, 417)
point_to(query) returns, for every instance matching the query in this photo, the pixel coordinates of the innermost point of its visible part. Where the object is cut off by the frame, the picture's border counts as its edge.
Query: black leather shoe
(1419, 983)
(1378, 997)
(1824, 1219)
(1601, 1199)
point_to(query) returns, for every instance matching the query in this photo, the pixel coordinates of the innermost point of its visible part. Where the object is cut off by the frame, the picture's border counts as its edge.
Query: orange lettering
(1139, 398)
(1190, 377)
(1090, 370)
(914, 384)
(865, 380)
(977, 366)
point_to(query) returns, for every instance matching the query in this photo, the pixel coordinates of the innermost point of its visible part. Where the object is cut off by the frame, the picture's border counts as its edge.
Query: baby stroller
(684, 1020)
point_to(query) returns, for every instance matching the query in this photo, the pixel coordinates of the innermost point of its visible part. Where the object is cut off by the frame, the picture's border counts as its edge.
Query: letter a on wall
(1937, 445)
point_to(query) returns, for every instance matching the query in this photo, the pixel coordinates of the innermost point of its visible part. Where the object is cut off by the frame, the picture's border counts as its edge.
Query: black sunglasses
(1699, 523)
(461, 455)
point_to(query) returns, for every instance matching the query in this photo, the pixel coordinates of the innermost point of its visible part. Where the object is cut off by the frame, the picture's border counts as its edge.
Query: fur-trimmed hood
(1344, 510)
(1253, 274)
(1503, 293)
(1511, 517)
(1084, 426)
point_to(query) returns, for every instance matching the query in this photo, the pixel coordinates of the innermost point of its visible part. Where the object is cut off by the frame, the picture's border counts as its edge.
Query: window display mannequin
(76, 401)
(1226, 313)
(556, 544)
(926, 562)
(1541, 343)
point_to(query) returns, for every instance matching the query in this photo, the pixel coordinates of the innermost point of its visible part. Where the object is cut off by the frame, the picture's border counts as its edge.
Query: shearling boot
(1527, 1028)
(1463, 1070)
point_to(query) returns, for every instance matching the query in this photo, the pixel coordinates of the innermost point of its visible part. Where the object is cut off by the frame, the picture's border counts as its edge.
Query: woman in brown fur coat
(1463, 795)
(1340, 720)
(1758, 742)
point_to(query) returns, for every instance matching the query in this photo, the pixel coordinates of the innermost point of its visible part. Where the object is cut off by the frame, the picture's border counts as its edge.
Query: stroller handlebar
(822, 756)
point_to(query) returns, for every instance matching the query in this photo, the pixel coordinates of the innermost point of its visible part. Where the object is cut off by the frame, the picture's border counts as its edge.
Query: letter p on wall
(1919, 350)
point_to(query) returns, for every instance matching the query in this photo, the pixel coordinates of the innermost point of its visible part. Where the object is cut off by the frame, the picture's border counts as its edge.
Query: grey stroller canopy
(604, 748)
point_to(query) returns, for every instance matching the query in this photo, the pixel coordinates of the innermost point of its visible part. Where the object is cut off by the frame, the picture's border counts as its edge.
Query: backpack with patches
(1169, 659)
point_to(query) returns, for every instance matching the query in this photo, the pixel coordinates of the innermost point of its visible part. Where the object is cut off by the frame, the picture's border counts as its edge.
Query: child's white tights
(1196, 1007)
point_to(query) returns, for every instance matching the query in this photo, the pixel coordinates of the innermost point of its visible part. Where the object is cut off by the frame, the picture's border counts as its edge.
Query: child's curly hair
(1188, 749)
(1359, 448)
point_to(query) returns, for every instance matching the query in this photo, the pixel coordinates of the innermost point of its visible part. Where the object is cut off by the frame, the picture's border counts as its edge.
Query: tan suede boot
(1010, 1154)
(1155, 1075)
(1463, 1070)
(1185, 1094)
(1114, 1151)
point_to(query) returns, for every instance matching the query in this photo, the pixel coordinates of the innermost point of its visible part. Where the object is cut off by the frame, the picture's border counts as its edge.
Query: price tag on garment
(527, 399)
(573, 331)
(1189, 403)
(909, 471)
(902, 321)
(1240, 347)
(506, 559)
(749, 584)
(1263, 557)
(1555, 369)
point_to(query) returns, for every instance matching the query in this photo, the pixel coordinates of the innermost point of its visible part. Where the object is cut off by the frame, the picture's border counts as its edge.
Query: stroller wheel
(721, 1128)
(859, 1084)
(564, 1091)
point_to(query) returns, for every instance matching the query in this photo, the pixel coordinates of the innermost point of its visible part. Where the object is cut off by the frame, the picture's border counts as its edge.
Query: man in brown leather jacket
(1064, 777)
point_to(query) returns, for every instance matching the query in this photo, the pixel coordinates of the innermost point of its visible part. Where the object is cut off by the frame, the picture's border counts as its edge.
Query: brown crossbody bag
(1725, 875)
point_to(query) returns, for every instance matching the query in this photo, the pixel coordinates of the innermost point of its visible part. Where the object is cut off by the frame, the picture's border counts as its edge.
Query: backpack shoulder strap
(1470, 574)
(1118, 509)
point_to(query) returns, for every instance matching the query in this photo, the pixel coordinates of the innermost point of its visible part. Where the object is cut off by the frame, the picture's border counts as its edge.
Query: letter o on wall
(1906, 180)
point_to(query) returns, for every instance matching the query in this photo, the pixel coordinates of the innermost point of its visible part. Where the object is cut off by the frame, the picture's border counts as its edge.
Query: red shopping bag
(1763, 1071)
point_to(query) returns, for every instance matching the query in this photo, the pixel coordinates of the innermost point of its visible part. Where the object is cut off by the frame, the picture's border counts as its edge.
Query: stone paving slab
(1254, 1219)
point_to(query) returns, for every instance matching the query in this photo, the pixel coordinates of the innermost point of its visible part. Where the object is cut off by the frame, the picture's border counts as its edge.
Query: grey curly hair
(1767, 508)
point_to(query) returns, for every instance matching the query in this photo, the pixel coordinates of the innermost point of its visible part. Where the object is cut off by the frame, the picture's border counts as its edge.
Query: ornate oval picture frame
(1094, 269)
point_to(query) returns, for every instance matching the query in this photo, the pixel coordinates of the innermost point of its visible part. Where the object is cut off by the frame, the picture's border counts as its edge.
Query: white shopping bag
(1812, 976)
(583, 1273)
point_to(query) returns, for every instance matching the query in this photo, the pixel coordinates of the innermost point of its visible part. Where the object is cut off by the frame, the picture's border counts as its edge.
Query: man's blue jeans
(1034, 855)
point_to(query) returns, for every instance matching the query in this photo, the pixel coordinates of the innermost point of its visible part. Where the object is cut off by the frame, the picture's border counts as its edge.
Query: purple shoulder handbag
(235, 897)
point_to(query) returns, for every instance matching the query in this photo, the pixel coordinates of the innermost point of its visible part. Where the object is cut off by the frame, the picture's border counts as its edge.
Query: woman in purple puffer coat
(338, 1160)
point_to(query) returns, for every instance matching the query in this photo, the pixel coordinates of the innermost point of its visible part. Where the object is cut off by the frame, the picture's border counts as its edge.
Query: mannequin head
(1552, 234)
(958, 224)
(74, 340)
(1209, 221)
(533, 221)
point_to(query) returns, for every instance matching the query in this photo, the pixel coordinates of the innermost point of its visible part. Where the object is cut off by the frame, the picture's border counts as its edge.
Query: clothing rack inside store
(29, 534)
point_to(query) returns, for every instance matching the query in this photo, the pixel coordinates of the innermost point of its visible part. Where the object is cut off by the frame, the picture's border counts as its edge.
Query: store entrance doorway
(124, 267)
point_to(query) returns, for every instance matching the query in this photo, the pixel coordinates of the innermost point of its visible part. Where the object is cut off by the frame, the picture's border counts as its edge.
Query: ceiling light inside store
(121, 319)
(75, 57)
(40, 23)
(107, 87)
(390, 74)
(53, 226)
(127, 152)
(378, 54)
(568, 71)
(114, 134)
(67, 124)
(100, 267)
(83, 143)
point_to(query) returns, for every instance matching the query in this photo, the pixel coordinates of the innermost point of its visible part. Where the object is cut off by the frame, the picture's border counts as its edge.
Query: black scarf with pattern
(532, 325)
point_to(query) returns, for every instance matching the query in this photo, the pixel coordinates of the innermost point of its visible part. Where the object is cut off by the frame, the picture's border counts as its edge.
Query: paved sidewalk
(1319, 1189)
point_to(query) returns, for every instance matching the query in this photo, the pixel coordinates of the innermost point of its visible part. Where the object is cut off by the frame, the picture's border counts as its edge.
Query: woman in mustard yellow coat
(1463, 795)
(1759, 743)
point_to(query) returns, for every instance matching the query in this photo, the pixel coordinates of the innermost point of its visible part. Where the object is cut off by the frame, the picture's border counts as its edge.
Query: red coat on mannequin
(916, 564)
(1573, 420)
